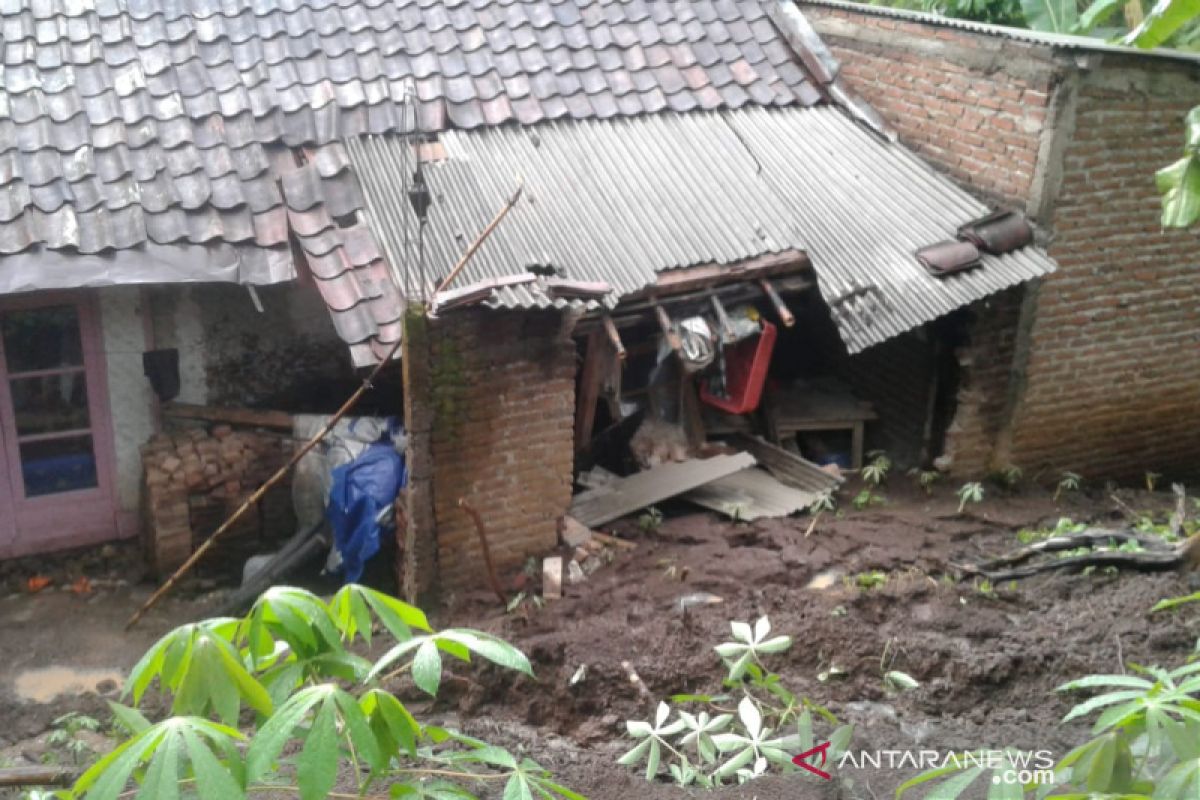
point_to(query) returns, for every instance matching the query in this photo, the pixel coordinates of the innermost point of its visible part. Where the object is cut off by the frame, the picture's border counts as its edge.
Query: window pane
(41, 338)
(50, 403)
(58, 465)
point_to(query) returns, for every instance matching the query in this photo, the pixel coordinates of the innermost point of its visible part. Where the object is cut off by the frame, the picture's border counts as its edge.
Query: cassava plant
(758, 725)
(1145, 745)
(277, 702)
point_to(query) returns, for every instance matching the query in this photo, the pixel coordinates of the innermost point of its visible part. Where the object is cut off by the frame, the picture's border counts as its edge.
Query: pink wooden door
(56, 437)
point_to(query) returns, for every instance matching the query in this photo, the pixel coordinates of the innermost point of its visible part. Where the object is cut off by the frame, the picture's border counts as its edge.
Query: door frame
(80, 517)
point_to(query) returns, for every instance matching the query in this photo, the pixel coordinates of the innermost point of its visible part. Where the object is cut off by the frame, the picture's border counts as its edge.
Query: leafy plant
(733, 737)
(824, 501)
(1067, 482)
(926, 478)
(1146, 744)
(317, 708)
(867, 498)
(1064, 527)
(65, 735)
(650, 520)
(969, 493)
(876, 472)
(869, 580)
(1010, 476)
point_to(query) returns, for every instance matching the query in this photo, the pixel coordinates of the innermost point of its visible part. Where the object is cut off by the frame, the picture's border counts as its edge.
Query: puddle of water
(824, 580)
(43, 685)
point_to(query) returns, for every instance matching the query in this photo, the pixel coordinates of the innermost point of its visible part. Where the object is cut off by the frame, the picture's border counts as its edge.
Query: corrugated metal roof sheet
(1061, 40)
(622, 200)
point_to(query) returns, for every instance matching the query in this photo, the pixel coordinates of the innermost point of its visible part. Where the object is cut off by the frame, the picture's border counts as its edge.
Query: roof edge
(1059, 41)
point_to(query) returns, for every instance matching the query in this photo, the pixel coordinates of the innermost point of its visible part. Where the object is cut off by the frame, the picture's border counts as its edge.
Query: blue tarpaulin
(362, 492)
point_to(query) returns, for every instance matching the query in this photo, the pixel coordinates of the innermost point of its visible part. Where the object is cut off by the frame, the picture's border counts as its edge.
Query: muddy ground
(987, 660)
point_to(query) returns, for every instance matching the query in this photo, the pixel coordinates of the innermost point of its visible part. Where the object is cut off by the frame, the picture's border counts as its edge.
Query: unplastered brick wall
(503, 397)
(985, 366)
(971, 105)
(1113, 377)
(194, 477)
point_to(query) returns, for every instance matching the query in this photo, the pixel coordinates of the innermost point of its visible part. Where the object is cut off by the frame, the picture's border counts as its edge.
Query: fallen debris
(699, 599)
(575, 573)
(1152, 555)
(637, 682)
(749, 495)
(552, 578)
(574, 533)
(789, 468)
(625, 495)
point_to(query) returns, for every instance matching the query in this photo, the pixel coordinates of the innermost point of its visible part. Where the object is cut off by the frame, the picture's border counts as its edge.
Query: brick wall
(503, 398)
(1113, 379)
(1104, 376)
(971, 105)
(985, 366)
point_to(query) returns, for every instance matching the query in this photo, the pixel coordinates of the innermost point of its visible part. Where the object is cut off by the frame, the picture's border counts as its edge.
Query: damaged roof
(126, 124)
(622, 200)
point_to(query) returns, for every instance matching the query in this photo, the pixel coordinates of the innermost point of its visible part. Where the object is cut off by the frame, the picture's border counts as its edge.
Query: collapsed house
(1071, 130)
(699, 194)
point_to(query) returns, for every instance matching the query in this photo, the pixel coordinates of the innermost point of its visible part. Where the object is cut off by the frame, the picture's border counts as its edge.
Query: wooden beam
(664, 322)
(232, 416)
(787, 468)
(781, 308)
(614, 336)
(677, 280)
(16, 777)
(590, 382)
(727, 333)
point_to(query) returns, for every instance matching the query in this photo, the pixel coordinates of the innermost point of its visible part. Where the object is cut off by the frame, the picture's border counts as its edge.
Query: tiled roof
(129, 122)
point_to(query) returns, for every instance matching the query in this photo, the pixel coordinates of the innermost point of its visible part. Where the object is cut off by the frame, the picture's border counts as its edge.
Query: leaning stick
(321, 434)
(462, 262)
(487, 553)
(35, 776)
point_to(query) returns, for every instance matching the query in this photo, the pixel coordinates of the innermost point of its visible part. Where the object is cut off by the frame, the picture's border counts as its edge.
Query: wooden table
(796, 410)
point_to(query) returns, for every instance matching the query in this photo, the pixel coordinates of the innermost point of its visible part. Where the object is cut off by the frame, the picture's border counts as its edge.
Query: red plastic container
(746, 365)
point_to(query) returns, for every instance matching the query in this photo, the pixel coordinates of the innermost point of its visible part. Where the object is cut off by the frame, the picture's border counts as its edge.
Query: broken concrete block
(552, 577)
(575, 574)
(574, 532)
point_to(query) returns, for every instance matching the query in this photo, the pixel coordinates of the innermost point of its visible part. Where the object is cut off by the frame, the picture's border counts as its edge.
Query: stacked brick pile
(194, 478)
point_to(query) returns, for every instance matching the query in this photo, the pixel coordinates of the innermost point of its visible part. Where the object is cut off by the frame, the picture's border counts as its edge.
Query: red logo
(799, 760)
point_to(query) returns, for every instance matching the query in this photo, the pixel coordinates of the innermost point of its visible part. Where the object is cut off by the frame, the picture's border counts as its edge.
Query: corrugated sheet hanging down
(620, 201)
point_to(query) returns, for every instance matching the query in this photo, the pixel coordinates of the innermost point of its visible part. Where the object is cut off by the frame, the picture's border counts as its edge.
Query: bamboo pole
(462, 262)
(321, 434)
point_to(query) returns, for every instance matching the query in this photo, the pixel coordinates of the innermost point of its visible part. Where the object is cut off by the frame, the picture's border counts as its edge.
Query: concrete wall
(130, 399)
(228, 354)
(231, 354)
(501, 407)
(1096, 370)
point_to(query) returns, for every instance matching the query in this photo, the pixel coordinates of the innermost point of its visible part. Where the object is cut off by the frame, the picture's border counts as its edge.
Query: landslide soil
(987, 658)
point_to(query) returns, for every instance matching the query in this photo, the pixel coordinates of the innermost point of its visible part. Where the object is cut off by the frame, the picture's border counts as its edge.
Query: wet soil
(987, 658)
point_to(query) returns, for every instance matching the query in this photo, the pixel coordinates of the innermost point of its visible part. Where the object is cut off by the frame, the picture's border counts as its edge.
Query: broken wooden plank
(36, 776)
(785, 315)
(750, 494)
(232, 416)
(552, 578)
(789, 468)
(614, 336)
(626, 495)
(590, 382)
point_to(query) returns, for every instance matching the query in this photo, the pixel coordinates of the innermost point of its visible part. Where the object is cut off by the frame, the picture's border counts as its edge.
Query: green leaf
(925, 777)
(517, 788)
(1167, 17)
(652, 760)
(1096, 13)
(128, 718)
(427, 667)
(1083, 709)
(1179, 185)
(635, 755)
(493, 649)
(1094, 681)
(213, 780)
(359, 730)
(1173, 602)
(270, 739)
(953, 787)
(387, 715)
(1050, 16)
(162, 778)
(316, 770)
